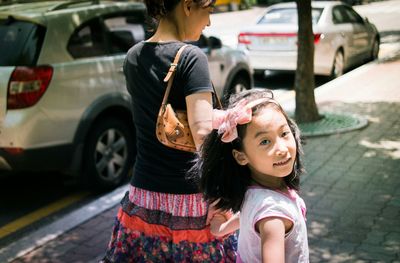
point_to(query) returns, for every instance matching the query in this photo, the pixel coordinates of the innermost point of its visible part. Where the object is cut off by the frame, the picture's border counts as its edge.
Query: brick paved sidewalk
(83, 244)
(352, 189)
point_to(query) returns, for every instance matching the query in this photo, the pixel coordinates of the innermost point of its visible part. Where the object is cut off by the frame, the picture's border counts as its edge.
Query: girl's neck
(278, 184)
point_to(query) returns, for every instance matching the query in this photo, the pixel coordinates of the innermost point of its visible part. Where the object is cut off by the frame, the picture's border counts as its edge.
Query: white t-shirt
(260, 203)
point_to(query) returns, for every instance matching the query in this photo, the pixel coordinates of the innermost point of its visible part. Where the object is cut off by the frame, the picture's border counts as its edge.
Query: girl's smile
(283, 163)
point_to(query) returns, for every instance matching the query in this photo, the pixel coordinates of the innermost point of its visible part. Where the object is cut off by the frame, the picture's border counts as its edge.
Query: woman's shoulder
(136, 49)
(194, 51)
(171, 47)
(194, 57)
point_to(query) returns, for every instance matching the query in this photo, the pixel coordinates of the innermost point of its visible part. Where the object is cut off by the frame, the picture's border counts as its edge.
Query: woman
(163, 217)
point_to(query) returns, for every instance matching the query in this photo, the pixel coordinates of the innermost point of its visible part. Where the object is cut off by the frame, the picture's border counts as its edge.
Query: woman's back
(157, 167)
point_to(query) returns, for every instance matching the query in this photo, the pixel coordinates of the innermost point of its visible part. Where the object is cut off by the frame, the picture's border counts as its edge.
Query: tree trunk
(306, 108)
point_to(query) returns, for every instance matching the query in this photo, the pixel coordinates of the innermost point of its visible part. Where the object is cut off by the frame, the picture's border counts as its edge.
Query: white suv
(63, 101)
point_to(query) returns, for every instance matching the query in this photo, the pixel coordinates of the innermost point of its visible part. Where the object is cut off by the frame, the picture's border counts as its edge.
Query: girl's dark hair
(221, 177)
(160, 8)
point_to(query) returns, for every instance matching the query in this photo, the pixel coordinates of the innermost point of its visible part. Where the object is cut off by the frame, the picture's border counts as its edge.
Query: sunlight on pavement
(390, 148)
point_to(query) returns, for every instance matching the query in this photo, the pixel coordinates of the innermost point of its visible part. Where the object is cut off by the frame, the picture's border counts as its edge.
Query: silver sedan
(342, 38)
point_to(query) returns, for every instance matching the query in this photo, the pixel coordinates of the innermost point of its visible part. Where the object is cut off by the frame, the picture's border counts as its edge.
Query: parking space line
(41, 213)
(48, 232)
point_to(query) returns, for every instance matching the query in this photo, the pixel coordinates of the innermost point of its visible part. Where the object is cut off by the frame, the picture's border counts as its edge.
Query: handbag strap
(170, 77)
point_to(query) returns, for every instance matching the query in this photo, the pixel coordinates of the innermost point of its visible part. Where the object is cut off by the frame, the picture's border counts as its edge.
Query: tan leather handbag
(172, 127)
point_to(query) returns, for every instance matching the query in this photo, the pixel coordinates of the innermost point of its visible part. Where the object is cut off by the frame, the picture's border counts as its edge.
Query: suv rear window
(22, 40)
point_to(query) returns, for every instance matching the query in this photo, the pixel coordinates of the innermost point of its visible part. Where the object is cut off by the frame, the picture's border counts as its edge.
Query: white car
(64, 105)
(342, 38)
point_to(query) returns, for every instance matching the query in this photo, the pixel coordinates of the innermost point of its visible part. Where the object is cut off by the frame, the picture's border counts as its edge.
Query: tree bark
(306, 107)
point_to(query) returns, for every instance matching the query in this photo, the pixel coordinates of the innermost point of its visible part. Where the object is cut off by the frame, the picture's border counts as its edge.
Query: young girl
(251, 163)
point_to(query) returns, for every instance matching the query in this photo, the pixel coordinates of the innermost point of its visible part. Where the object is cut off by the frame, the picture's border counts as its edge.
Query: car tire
(374, 50)
(109, 154)
(239, 84)
(338, 65)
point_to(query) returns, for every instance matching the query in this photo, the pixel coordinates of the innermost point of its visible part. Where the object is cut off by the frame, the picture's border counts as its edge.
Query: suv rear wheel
(239, 84)
(109, 154)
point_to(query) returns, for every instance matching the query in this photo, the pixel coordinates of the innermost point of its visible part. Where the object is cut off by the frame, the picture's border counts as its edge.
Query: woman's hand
(224, 223)
(212, 210)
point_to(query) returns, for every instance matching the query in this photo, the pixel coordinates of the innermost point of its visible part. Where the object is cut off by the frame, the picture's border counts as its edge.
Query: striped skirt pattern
(161, 227)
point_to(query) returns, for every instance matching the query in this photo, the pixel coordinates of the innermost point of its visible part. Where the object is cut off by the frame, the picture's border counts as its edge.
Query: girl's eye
(265, 142)
(285, 133)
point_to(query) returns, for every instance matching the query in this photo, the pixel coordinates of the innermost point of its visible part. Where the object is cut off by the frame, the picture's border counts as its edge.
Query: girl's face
(198, 19)
(269, 147)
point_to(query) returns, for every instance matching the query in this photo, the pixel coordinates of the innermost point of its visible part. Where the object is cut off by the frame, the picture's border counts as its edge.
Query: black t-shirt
(157, 167)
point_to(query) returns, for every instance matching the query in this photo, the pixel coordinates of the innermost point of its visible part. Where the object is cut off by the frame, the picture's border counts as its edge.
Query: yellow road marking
(40, 213)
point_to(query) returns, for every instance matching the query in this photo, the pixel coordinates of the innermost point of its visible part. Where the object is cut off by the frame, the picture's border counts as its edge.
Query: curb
(49, 232)
(289, 105)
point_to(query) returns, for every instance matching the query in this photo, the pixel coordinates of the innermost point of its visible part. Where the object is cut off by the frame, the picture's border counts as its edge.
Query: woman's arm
(220, 225)
(272, 232)
(199, 110)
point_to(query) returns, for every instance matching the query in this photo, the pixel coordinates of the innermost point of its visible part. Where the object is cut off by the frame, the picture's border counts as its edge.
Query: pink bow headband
(225, 121)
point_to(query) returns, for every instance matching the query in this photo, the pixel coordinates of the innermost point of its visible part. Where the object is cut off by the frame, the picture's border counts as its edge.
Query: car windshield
(287, 16)
(22, 40)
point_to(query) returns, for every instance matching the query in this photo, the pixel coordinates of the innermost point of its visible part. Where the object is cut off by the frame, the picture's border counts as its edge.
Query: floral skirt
(161, 227)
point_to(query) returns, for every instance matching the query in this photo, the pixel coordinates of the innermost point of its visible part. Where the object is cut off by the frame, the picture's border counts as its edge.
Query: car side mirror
(214, 42)
(123, 35)
(366, 21)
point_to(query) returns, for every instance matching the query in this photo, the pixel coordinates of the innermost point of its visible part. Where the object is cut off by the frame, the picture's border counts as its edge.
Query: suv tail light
(14, 151)
(27, 85)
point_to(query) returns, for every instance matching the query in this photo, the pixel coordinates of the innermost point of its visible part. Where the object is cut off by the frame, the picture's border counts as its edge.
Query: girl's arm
(272, 232)
(222, 225)
(199, 110)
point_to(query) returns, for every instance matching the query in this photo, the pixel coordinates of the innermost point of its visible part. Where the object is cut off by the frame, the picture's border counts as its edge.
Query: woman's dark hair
(160, 8)
(221, 177)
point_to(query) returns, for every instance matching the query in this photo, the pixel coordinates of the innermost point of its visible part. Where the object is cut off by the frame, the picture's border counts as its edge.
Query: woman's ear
(240, 157)
(187, 6)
